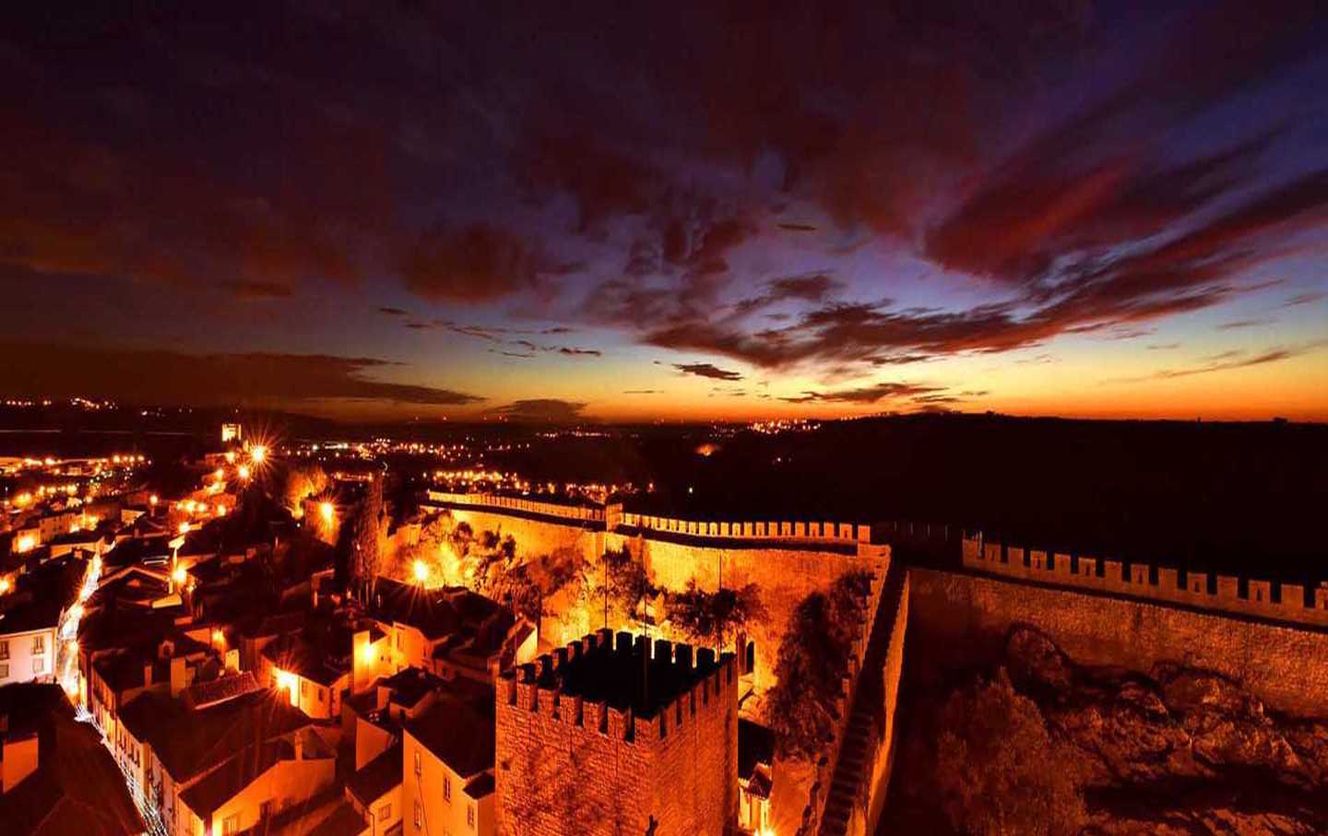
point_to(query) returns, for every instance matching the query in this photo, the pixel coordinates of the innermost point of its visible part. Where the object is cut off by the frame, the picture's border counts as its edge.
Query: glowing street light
(421, 571)
(258, 453)
(179, 575)
(243, 471)
(5, 586)
(184, 527)
(328, 512)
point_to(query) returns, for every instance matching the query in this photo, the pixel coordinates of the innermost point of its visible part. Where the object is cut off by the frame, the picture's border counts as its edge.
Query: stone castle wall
(1258, 598)
(787, 560)
(566, 765)
(784, 576)
(959, 618)
(783, 530)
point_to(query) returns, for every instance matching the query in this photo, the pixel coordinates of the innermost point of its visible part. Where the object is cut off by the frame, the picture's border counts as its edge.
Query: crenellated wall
(522, 505)
(781, 530)
(571, 764)
(1223, 593)
(958, 619)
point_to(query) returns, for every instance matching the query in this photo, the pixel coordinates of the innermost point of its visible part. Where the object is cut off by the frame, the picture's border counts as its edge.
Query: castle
(578, 743)
(627, 737)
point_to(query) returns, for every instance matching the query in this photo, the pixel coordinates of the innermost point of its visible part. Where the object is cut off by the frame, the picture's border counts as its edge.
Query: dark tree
(809, 670)
(715, 618)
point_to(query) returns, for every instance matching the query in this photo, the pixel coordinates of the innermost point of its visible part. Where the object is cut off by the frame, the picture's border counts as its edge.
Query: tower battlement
(622, 685)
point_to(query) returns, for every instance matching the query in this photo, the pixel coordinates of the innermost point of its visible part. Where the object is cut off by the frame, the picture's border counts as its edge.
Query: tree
(809, 668)
(715, 618)
(998, 770)
(624, 586)
(363, 537)
(848, 606)
(302, 482)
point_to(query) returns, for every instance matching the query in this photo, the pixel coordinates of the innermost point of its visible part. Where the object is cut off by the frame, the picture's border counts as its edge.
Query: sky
(620, 211)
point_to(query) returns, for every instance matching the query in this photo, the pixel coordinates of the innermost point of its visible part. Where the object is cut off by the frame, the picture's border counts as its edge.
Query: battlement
(1281, 602)
(612, 516)
(580, 513)
(622, 685)
(783, 530)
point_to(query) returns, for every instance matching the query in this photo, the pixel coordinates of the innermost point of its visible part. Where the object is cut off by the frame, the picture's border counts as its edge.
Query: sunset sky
(674, 211)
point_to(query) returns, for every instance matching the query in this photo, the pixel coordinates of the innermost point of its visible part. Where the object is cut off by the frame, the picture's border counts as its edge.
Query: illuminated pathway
(67, 672)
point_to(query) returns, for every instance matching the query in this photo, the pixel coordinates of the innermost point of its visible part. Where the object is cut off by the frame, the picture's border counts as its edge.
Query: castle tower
(625, 736)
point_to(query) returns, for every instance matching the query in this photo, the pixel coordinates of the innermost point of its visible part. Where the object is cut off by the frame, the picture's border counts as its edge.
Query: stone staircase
(847, 793)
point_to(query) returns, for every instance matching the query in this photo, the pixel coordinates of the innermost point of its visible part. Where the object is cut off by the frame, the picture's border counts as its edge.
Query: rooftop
(188, 741)
(377, 777)
(441, 612)
(459, 731)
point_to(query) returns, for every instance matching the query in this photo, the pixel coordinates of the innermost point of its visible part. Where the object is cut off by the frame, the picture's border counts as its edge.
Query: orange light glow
(421, 570)
(184, 528)
(5, 585)
(258, 453)
(243, 471)
(179, 575)
(328, 511)
(25, 543)
(153, 500)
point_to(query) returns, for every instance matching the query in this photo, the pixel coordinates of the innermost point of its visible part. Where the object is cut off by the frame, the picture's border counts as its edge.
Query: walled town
(291, 642)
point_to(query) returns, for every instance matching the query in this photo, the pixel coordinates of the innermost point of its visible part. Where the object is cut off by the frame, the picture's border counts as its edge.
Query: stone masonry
(618, 737)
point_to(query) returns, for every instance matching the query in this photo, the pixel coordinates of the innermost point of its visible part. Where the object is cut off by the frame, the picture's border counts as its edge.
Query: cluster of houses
(235, 690)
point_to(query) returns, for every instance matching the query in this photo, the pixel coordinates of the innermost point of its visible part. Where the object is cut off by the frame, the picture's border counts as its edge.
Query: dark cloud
(1305, 298)
(570, 351)
(169, 377)
(540, 411)
(642, 391)
(1243, 323)
(866, 394)
(469, 264)
(707, 370)
(1229, 361)
(390, 311)
(259, 291)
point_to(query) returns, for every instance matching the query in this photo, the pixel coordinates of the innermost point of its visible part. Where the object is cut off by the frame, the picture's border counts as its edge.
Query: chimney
(147, 674)
(179, 675)
(299, 745)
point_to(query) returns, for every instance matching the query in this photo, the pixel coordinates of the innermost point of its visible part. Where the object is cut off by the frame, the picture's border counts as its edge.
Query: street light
(421, 571)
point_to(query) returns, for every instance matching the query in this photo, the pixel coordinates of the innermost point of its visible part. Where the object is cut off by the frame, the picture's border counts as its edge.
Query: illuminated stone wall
(566, 765)
(967, 617)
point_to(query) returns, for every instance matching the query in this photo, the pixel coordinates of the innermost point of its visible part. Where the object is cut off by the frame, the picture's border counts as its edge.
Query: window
(419, 815)
(417, 761)
(470, 816)
(322, 694)
(447, 788)
(39, 666)
(4, 649)
(231, 824)
(4, 671)
(384, 812)
(304, 687)
(38, 644)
